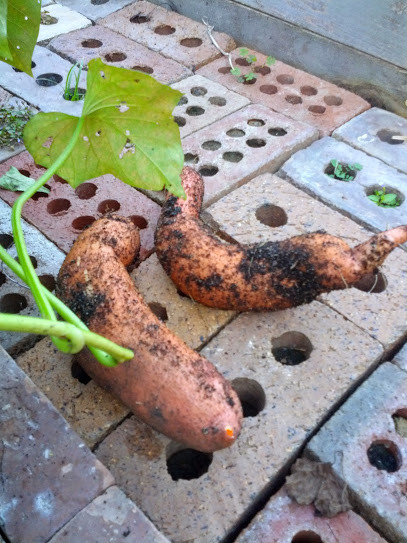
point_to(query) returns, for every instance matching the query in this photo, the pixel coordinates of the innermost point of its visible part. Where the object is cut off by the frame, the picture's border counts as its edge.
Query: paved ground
(75, 465)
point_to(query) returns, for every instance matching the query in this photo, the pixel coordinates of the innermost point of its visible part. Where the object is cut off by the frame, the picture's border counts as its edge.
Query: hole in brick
(48, 281)
(306, 536)
(217, 101)
(145, 69)
(98, 2)
(164, 30)
(373, 283)
(71, 92)
(79, 373)
(12, 303)
(388, 190)
(159, 311)
(255, 122)
(400, 421)
(194, 111)
(268, 89)
(317, 109)
(384, 455)
(277, 131)
(39, 195)
(180, 121)
(211, 145)
(256, 143)
(285, 79)
(58, 206)
(235, 133)
(182, 101)
(25, 172)
(6, 240)
(59, 179)
(48, 80)
(139, 221)
(33, 261)
(232, 156)
(271, 215)
(224, 70)
(85, 191)
(251, 81)
(251, 395)
(2, 279)
(291, 348)
(332, 100)
(92, 43)
(80, 223)
(344, 169)
(187, 464)
(191, 42)
(386, 136)
(293, 99)
(208, 171)
(139, 19)
(190, 158)
(242, 62)
(307, 90)
(108, 206)
(115, 57)
(262, 70)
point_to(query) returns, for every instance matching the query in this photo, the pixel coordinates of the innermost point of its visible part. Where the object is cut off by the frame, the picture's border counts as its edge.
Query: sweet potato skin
(269, 275)
(167, 385)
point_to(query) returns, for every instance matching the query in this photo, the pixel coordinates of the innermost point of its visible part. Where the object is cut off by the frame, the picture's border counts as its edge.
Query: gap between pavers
(67, 20)
(366, 445)
(269, 208)
(401, 358)
(284, 405)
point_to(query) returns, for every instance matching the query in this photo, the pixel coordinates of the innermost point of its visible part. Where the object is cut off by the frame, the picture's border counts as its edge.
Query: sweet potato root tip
(268, 275)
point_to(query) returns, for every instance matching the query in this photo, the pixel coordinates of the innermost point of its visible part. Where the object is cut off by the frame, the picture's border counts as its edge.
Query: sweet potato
(267, 275)
(167, 385)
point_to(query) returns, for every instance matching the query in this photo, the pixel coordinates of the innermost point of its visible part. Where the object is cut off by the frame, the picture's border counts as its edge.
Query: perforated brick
(12, 102)
(248, 142)
(173, 35)
(90, 410)
(191, 321)
(306, 169)
(48, 474)
(283, 404)
(116, 50)
(97, 9)
(60, 19)
(45, 90)
(372, 132)
(63, 213)
(203, 103)
(284, 521)
(15, 297)
(365, 441)
(290, 91)
(271, 209)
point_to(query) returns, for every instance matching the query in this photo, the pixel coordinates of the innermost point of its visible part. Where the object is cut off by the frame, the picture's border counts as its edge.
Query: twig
(399, 138)
(216, 44)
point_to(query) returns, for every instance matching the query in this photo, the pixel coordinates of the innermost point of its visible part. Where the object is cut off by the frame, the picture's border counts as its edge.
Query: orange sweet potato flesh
(167, 385)
(267, 275)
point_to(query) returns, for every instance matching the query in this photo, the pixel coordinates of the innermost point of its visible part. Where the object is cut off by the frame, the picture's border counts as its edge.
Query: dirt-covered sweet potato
(167, 384)
(268, 275)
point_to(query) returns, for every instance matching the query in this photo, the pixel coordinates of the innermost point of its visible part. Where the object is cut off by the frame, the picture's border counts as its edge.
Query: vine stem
(209, 29)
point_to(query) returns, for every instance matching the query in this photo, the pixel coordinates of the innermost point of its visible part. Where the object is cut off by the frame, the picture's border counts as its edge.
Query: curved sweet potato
(167, 385)
(269, 275)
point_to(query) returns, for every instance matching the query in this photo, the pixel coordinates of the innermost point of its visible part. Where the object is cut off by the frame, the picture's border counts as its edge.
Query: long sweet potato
(269, 275)
(167, 385)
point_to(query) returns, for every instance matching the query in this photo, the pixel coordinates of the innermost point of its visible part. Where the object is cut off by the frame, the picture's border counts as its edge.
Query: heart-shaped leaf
(19, 27)
(128, 131)
(17, 182)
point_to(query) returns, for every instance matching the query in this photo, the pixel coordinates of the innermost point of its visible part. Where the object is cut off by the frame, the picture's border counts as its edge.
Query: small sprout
(243, 51)
(235, 71)
(383, 199)
(270, 61)
(250, 76)
(251, 60)
(344, 172)
(72, 91)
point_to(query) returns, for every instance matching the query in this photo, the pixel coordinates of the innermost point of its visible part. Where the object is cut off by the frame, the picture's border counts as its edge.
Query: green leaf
(250, 76)
(356, 166)
(389, 199)
(15, 181)
(243, 51)
(334, 163)
(235, 71)
(19, 27)
(128, 131)
(270, 60)
(251, 59)
(374, 198)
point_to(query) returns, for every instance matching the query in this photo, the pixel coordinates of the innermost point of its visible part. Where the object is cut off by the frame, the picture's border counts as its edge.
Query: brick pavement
(75, 466)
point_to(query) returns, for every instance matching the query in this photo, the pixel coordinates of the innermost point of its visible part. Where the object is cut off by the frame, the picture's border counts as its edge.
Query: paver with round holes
(366, 443)
(203, 103)
(290, 369)
(284, 521)
(271, 209)
(250, 141)
(290, 91)
(116, 50)
(173, 35)
(15, 297)
(44, 91)
(7, 100)
(59, 20)
(310, 169)
(373, 131)
(65, 212)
